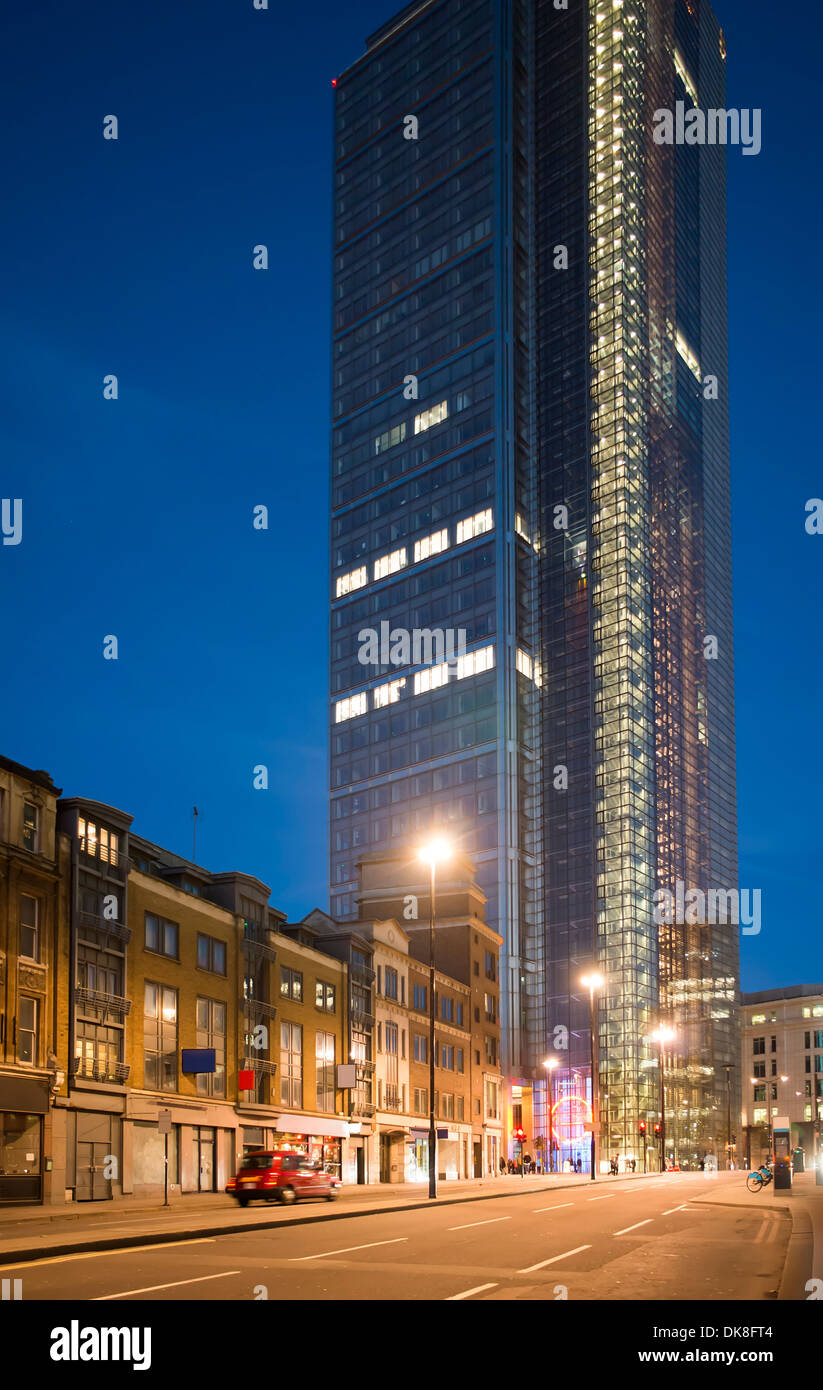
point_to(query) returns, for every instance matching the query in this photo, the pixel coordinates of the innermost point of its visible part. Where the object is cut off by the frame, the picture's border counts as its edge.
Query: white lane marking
(634, 1227)
(554, 1259)
(671, 1209)
(607, 1197)
(346, 1249)
(456, 1297)
(152, 1288)
(101, 1254)
(555, 1208)
(490, 1222)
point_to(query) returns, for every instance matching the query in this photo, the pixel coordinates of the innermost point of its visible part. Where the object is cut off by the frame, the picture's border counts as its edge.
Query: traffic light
(519, 1135)
(657, 1129)
(642, 1126)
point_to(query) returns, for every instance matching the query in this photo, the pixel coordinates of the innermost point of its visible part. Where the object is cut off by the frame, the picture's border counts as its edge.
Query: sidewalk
(804, 1203)
(35, 1232)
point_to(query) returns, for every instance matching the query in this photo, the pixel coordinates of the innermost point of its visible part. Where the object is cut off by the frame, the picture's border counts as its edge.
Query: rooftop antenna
(194, 814)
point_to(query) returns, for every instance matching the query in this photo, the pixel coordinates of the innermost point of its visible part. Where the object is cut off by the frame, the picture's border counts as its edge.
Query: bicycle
(759, 1179)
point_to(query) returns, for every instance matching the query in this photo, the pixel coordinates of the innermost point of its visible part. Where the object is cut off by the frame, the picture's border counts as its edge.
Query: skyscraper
(530, 456)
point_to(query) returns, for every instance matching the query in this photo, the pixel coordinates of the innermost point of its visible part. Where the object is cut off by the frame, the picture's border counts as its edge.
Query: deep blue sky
(134, 257)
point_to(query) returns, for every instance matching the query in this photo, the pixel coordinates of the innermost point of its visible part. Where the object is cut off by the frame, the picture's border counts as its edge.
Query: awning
(329, 1128)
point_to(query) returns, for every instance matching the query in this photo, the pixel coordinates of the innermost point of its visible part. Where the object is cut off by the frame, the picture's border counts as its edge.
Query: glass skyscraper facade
(531, 638)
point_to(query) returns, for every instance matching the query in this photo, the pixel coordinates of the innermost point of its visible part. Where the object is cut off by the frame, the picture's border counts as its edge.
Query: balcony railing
(95, 921)
(363, 974)
(98, 999)
(260, 1064)
(360, 1014)
(91, 1069)
(392, 1099)
(258, 1006)
(256, 941)
(365, 1108)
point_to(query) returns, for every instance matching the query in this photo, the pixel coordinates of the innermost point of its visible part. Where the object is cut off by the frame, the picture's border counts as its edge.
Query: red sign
(245, 1080)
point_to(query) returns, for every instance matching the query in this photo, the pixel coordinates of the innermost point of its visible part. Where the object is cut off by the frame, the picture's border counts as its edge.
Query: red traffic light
(642, 1126)
(657, 1129)
(519, 1134)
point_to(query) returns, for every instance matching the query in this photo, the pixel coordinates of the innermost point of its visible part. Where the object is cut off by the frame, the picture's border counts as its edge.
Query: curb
(45, 1252)
(798, 1267)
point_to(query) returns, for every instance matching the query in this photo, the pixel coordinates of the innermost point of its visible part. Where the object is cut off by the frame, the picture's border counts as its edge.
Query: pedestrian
(527, 1163)
(502, 1166)
(614, 1168)
(634, 1164)
(578, 1167)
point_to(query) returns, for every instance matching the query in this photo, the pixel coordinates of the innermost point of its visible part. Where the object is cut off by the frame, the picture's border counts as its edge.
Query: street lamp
(727, 1067)
(434, 853)
(662, 1035)
(593, 983)
(551, 1064)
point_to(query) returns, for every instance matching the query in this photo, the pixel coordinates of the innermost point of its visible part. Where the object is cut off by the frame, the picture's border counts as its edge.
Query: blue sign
(197, 1059)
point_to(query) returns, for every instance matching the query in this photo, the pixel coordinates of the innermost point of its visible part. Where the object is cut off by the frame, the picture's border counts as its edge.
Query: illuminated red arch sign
(574, 1112)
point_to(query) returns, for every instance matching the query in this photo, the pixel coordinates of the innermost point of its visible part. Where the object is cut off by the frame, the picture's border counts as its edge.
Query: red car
(268, 1175)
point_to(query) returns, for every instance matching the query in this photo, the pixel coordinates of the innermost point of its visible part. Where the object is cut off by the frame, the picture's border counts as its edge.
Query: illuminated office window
(350, 707)
(389, 693)
(431, 545)
(390, 564)
(355, 579)
(433, 416)
(474, 525)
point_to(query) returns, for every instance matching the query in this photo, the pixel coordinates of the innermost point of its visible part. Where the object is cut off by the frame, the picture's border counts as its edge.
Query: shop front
(24, 1107)
(319, 1137)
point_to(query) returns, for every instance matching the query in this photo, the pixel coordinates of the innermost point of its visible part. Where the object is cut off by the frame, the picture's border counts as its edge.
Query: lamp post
(593, 983)
(662, 1036)
(551, 1064)
(727, 1067)
(432, 854)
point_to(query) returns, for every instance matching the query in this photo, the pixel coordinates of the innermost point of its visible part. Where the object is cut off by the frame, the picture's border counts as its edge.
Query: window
(291, 984)
(475, 662)
(291, 1064)
(350, 708)
(421, 1048)
(760, 1069)
(434, 544)
(461, 1066)
(491, 1100)
(758, 1046)
(160, 1038)
(774, 1044)
(388, 694)
(459, 1013)
(161, 936)
(491, 1050)
(389, 438)
(211, 954)
(98, 842)
(760, 1093)
(324, 997)
(758, 1018)
(475, 525)
(491, 1007)
(390, 982)
(447, 1057)
(447, 1107)
(355, 579)
(324, 1070)
(211, 1032)
(28, 1011)
(447, 1009)
(525, 665)
(759, 1115)
(818, 1037)
(491, 965)
(29, 918)
(390, 564)
(420, 997)
(31, 825)
(460, 1108)
(421, 1101)
(433, 416)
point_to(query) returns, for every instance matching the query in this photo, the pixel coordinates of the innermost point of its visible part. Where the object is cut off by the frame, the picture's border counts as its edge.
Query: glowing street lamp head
(663, 1034)
(593, 981)
(551, 1063)
(435, 851)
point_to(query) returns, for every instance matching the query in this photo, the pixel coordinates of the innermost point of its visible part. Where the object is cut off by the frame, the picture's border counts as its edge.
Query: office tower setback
(531, 633)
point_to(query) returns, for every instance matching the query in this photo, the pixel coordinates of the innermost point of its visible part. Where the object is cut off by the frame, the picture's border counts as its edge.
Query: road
(641, 1240)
